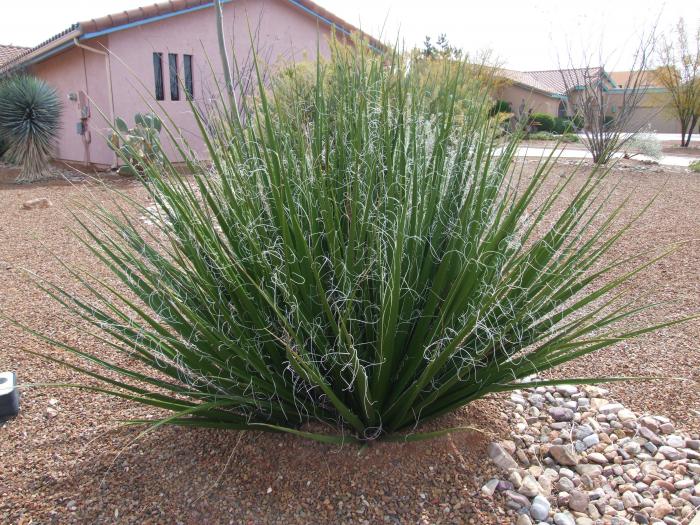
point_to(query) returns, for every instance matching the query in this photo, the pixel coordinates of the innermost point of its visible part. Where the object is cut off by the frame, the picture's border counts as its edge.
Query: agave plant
(30, 114)
(371, 268)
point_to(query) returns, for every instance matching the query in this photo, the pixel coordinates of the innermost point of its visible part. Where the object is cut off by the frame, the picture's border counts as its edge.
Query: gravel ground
(65, 458)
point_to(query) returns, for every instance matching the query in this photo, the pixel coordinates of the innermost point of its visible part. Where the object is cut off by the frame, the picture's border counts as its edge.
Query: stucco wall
(538, 102)
(282, 33)
(73, 71)
(650, 112)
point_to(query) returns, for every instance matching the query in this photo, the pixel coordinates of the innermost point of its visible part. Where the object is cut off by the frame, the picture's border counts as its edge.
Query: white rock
(524, 519)
(610, 408)
(500, 457)
(565, 472)
(671, 453)
(626, 415)
(540, 508)
(529, 487)
(675, 441)
(597, 457)
(489, 487)
(564, 518)
(591, 441)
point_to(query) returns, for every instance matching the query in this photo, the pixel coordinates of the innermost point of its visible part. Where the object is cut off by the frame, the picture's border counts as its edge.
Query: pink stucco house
(111, 66)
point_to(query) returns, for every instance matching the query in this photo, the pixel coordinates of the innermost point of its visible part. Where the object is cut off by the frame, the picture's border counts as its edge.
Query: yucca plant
(30, 119)
(368, 269)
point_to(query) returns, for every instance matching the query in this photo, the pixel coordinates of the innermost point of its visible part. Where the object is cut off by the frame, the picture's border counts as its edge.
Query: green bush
(542, 122)
(563, 125)
(501, 106)
(3, 147)
(369, 269)
(542, 135)
(578, 121)
(30, 117)
(546, 135)
(694, 166)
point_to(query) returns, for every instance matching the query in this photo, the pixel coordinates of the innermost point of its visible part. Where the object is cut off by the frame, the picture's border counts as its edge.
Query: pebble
(560, 414)
(564, 518)
(671, 453)
(578, 501)
(516, 500)
(490, 487)
(500, 457)
(540, 508)
(530, 487)
(675, 441)
(524, 519)
(564, 455)
(591, 441)
(610, 408)
(597, 457)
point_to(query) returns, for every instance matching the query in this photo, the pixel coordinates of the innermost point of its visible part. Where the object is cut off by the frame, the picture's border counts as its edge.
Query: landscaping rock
(540, 508)
(578, 501)
(36, 204)
(561, 414)
(530, 487)
(564, 518)
(500, 457)
(564, 455)
(597, 462)
(490, 487)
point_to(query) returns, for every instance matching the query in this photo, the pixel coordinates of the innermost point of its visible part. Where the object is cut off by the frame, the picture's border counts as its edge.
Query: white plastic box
(9, 395)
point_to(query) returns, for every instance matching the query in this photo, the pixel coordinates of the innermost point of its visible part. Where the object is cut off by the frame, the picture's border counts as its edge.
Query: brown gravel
(80, 466)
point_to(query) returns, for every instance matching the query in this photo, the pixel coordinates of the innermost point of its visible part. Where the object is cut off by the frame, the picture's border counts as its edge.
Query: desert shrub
(501, 106)
(577, 121)
(646, 144)
(30, 116)
(694, 166)
(368, 269)
(542, 135)
(542, 122)
(139, 145)
(546, 135)
(563, 125)
(3, 147)
(608, 121)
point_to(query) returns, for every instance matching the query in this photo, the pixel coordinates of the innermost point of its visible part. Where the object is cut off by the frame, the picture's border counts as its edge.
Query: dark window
(174, 84)
(189, 83)
(158, 75)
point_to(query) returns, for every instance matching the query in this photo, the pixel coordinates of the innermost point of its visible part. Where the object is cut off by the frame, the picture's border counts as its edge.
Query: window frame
(174, 80)
(189, 76)
(158, 75)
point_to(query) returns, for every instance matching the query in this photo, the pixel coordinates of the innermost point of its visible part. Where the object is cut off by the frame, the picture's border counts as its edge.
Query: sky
(524, 35)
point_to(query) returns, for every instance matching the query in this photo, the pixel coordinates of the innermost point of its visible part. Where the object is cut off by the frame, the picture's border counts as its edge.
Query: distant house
(554, 92)
(98, 66)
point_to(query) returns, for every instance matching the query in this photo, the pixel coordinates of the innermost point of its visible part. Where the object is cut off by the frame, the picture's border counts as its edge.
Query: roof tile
(8, 53)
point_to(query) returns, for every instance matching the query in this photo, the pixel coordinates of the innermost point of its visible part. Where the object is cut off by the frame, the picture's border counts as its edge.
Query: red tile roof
(555, 81)
(8, 53)
(173, 6)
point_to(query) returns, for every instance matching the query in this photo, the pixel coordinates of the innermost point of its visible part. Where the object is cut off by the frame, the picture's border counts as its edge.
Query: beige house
(555, 91)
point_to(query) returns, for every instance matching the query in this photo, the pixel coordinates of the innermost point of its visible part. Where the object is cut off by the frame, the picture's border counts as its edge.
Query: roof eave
(63, 42)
